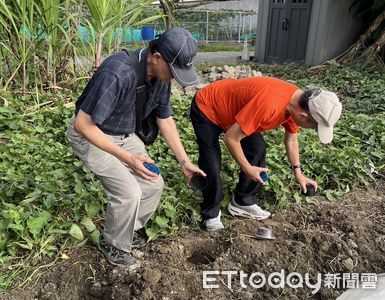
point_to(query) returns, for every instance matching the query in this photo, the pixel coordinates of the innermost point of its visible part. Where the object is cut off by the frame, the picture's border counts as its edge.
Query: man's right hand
(135, 162)
(255, 173)
(85, 126)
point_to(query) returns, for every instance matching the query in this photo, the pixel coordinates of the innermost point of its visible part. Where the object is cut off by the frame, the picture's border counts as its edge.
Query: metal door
(288, 30)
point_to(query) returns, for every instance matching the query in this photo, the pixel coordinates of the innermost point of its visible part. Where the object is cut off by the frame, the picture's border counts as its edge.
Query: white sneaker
(249, 211)
(214, 224)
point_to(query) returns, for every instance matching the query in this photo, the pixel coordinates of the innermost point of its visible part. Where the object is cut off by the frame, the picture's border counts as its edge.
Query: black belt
(123, 135)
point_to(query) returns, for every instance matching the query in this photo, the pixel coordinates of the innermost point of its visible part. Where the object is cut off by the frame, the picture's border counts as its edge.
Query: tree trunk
(362, 42)
(167, 10)
(98, 52)
(379, 45)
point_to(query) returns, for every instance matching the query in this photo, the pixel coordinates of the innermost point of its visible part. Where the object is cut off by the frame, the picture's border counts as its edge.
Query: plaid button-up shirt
(109, 97)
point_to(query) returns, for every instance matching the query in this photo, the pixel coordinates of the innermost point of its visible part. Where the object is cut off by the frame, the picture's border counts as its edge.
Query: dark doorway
(288, 30)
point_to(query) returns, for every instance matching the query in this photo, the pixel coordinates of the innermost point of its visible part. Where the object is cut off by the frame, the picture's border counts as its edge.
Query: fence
(205, 26)
(220, 26)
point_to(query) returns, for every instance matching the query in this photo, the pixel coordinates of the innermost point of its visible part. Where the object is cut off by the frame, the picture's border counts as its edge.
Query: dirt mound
(342, 237)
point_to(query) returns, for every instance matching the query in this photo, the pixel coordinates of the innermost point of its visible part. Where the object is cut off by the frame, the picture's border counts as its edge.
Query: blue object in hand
(152, 167)
(264, 176)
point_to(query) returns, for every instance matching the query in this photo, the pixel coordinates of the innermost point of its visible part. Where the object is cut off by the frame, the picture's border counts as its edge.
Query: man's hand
(94, 135)
(303, 181)
(170, 134)
(135, 162)
(189, 170)
(255, 173)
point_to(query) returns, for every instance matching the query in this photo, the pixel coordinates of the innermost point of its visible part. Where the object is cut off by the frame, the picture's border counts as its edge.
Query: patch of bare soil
(347, 236)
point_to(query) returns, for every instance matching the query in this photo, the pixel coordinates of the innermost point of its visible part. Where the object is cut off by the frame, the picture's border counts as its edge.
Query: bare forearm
(292, 150)
(236, 152)
(232, 140)
(170, 134)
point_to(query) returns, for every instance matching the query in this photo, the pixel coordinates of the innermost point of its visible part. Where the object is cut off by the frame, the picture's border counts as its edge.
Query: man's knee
(157, 185)
(126, 195)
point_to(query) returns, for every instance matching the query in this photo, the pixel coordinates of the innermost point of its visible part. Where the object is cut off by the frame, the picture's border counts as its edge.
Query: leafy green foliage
(46, 194)
(106, 16)
(41, 40)
(48, 197)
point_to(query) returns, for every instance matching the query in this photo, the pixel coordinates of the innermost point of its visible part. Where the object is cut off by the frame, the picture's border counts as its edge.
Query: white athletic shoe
(214, 224)
(250, 211)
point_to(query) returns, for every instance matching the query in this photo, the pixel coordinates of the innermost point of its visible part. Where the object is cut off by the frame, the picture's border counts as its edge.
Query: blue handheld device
(264, 176)
(152, 167)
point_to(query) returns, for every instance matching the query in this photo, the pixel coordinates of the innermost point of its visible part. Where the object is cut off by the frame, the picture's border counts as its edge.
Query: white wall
(241, 4)
(249, 22)
(333, 28)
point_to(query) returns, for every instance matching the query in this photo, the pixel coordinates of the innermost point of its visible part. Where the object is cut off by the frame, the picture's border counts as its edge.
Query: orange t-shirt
(257, 104)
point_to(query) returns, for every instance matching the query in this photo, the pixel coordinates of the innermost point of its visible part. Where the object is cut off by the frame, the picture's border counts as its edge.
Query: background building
(309, 31)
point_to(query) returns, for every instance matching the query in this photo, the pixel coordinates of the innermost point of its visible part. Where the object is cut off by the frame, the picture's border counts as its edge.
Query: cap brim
(325, 133)
(184, 77)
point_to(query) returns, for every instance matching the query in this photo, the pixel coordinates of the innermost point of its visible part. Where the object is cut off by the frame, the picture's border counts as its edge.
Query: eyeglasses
(315, 94)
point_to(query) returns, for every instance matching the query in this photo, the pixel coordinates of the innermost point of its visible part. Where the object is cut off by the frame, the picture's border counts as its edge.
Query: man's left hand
(303, 181)
(189, 170)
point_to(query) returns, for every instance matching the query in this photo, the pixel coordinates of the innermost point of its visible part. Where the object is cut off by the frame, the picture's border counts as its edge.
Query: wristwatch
(293, 167)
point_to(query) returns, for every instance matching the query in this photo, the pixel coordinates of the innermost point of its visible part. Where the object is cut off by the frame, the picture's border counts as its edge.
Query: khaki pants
(132, 200)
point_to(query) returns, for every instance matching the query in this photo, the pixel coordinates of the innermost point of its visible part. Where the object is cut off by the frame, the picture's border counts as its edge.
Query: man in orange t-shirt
(243, 109)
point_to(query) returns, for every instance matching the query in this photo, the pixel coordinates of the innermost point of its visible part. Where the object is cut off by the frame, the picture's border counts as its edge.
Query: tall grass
(106, 16)
(40, 41)
(19, 24)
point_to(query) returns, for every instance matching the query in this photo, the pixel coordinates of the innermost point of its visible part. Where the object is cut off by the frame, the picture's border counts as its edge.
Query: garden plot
(344, 237)
(48, 193)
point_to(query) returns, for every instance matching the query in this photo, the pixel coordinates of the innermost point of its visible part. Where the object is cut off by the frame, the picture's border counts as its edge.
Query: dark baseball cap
(178, 48)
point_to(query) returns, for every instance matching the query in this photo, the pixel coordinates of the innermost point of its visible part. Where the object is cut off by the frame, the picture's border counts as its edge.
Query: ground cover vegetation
(215, 47)
(49, 201)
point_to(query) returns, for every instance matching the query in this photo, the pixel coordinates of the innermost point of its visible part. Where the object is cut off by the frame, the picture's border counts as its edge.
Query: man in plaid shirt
(102, 135)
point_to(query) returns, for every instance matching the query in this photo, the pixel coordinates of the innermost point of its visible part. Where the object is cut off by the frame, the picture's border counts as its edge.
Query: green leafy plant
(49, 199)
(105, 16)
(18, 24)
